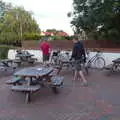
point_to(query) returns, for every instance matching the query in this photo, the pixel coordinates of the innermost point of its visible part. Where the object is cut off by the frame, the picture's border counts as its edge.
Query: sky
(48, 13)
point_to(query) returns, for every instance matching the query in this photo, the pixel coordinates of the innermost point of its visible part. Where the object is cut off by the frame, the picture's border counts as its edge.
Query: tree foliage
(54, 31)
(15, 23)
(98, 18)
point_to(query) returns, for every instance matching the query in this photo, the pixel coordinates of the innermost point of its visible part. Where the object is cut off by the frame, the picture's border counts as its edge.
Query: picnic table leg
(55, 90)
(6, 64)
(60, 68)
(27, 97)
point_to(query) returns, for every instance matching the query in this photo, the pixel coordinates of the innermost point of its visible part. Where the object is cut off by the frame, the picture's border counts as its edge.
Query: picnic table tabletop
(34, 72)
(116, 60)
(66, 61)
(24, 55)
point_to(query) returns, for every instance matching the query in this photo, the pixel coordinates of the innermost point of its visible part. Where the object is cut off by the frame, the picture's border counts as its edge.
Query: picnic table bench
(32, 79)
(16, 81)
(115, 67)
(5, 64)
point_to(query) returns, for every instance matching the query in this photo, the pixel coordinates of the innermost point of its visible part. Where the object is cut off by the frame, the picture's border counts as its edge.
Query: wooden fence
(65, 44)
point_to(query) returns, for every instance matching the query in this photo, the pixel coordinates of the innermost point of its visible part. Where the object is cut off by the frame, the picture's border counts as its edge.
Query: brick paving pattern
(99, 101)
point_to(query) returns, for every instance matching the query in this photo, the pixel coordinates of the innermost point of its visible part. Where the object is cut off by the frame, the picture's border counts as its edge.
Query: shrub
(31, 36)
(4, 52)
(68, 37)
(8, 38)
(58, 38)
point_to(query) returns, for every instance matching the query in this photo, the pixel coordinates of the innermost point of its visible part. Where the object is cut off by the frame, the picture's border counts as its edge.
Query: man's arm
(74, 52)
(84, 52)
(83, 55)
(50, 48)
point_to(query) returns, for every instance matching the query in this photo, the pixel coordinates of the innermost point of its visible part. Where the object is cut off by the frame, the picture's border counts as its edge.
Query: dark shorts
(77, 65)
(45, 57)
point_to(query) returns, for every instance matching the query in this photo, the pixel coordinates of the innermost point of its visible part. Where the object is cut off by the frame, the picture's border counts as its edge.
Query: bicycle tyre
(87, 69)
(53, 61)
(99, 63)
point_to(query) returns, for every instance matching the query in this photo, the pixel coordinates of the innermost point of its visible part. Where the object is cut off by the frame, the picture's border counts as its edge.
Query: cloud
(48, 13)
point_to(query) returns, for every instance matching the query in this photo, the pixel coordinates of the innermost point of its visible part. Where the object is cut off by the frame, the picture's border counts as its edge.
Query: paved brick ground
(99, 101)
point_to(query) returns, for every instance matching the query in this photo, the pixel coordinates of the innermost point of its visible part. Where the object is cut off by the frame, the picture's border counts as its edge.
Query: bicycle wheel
(54, 60)
(99, 63)
(87, 68)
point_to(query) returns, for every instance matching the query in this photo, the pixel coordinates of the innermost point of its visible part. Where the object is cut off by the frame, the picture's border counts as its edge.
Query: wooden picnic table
(115, 67)
(6, 63)
(24, 57)
(30, 80)
(31, 73)
(34, 72)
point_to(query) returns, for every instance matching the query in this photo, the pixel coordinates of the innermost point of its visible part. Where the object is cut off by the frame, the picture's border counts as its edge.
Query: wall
(38, 54)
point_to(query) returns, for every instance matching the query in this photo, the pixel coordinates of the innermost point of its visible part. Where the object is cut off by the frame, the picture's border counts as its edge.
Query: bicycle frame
(94, 57)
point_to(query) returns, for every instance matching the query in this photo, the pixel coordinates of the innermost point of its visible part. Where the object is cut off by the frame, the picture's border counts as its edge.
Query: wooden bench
(57, 80)
(15, 81)
(27, 89)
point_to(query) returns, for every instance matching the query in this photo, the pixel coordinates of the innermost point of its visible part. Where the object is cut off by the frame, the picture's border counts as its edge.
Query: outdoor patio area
(99, 101)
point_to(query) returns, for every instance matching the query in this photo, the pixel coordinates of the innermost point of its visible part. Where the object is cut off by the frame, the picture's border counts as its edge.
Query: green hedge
(31, 36)
(62, 37)
(8, 38)
(4, 52)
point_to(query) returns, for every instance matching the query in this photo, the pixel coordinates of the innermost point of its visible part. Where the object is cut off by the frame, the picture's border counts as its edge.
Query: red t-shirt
(45, 47)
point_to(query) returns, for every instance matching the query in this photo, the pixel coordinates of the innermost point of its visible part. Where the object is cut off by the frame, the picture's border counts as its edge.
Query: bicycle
(97, 61)
(55, 58)
(58, 56)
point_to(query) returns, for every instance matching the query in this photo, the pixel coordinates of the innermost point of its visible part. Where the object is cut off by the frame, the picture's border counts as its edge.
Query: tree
(17, 23)
(98, 18)
(3, 8)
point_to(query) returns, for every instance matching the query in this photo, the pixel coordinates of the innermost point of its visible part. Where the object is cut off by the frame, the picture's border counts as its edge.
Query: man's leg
(44, 59)
(75, 71)
(75, 75)
(47, 60)
(80, 73)
(82, 77)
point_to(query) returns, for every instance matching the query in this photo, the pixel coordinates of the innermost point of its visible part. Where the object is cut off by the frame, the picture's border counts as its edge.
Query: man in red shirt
(45, 47)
